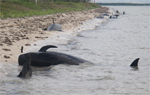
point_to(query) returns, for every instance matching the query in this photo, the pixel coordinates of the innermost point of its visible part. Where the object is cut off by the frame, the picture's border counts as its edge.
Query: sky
(122, 1)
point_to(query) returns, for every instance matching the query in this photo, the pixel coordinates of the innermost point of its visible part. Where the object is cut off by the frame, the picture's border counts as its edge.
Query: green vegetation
(26, 8)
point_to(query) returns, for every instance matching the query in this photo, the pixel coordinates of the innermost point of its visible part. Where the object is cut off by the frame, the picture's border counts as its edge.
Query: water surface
(111, 44)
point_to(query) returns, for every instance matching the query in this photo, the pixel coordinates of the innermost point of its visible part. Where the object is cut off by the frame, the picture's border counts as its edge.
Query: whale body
(55, 27)
(47, 58)
(101, 17)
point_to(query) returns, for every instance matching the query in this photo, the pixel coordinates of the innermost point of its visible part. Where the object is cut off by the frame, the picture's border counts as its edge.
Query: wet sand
(18, 32)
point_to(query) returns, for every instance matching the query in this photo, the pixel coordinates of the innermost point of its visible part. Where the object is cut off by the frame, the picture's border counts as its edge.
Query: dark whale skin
(50, 58)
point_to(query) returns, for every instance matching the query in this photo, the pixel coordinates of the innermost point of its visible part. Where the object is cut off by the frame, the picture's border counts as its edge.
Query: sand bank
(18, 32)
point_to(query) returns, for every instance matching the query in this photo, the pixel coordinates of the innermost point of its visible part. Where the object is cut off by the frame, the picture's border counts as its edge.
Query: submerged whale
(47, 58)
(134, 64)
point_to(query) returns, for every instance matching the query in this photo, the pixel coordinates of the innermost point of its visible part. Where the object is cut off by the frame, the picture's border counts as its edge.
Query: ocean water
(111, 44)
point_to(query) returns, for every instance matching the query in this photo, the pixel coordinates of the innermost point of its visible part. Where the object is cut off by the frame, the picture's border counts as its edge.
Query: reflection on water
(112, 46)
(135, 68)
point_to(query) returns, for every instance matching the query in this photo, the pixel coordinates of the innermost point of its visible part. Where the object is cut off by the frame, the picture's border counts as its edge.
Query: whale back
(50, 58)
(106, 14)
(43, 58)
(135, 62)
(44, 48)
(55, 27)
(101, 16)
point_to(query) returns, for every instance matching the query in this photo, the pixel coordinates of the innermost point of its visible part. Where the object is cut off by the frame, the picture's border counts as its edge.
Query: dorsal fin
(135, 62)
(44, 48)
(53, 21)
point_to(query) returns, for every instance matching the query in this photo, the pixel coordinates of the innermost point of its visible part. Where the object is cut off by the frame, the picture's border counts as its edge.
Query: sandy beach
(18, 32)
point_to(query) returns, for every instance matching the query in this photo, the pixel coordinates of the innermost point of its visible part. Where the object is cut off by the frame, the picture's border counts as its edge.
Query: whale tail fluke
(135, 62)
(26, 70)
(44, 48)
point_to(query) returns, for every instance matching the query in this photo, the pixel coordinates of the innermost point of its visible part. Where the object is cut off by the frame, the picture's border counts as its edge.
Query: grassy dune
(14, 9)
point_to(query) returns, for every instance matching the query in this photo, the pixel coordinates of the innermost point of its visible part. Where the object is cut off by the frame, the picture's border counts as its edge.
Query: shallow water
(111, 44)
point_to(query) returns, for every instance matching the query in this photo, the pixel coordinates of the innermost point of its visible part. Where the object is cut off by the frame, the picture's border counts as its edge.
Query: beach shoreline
(18, 32)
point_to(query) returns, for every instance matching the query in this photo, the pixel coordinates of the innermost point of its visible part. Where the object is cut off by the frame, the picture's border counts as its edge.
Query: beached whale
(101, 17)
(47, 58)
(44, 58)
(114, 16)
(54, 27)
(106, 14)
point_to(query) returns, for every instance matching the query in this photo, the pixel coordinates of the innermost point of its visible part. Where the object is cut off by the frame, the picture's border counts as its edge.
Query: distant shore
(124, 4)
(17, 32)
